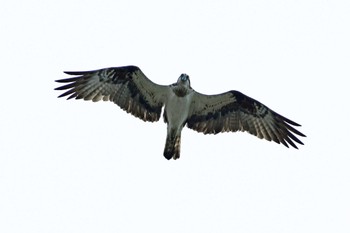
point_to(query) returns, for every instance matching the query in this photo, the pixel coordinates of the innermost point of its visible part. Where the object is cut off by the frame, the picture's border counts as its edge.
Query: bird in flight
(132, 91)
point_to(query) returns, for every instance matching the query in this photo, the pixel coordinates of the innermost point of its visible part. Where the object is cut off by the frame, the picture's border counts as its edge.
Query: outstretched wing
(126, 86)
(234, 111)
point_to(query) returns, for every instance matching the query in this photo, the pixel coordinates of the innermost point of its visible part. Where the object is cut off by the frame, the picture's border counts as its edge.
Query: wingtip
(72, 72)
(59, 81)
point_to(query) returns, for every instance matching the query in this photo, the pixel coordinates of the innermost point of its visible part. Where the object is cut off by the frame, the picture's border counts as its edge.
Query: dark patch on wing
(245, 104)
(137, 95)
(240, 102)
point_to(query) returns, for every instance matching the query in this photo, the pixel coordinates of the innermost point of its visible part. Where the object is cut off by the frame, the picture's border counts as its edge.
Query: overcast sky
(77, 166)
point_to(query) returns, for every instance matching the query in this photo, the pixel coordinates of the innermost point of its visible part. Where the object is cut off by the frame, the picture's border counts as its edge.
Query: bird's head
(184, 80)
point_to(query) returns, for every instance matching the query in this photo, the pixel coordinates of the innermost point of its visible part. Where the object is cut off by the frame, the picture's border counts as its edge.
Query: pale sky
(78, 166)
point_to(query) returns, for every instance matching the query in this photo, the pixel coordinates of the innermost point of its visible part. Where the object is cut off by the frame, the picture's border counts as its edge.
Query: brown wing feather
(234, 111)
(126, 86)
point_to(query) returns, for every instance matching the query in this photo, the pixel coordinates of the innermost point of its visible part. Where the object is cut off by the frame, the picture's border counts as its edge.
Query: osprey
(128, 87)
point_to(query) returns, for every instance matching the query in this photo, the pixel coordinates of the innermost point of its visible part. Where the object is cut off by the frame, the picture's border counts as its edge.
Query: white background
(75, 166)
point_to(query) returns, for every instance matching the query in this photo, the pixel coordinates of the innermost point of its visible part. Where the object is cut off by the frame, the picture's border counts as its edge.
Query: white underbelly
(177, 110)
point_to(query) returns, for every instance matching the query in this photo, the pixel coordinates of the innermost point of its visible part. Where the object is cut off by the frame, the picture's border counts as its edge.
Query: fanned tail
(172, 146)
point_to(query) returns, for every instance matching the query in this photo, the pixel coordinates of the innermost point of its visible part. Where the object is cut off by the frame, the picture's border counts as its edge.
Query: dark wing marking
(126, 86)
(234, 111)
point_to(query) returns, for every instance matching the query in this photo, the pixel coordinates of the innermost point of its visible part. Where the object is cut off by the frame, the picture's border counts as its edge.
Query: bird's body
(179, 98)
(176, 111)
(231, 111)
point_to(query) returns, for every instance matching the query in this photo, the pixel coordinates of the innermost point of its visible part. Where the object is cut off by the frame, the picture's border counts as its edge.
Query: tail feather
(172, 146)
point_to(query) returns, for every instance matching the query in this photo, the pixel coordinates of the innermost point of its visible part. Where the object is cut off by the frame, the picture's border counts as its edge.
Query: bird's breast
(177, 109)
